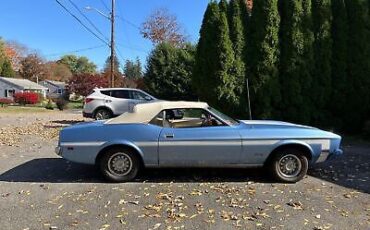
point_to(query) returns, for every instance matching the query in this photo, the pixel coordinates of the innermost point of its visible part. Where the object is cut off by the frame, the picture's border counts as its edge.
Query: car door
(119, 101)
(199, 146)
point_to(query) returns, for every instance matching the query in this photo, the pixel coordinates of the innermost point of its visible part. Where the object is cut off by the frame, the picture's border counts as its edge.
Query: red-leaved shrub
(24, 98)
(5, 101)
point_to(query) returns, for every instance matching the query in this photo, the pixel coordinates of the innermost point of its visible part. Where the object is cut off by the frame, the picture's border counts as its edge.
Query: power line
(133, 48)
(90, 22)
(124, 20)
(79, 21)
(120, 54)
(75, 51)
(105, 5)
(129, 22)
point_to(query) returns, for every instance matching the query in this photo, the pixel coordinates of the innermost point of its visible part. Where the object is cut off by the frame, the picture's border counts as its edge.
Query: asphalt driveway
(39, 190)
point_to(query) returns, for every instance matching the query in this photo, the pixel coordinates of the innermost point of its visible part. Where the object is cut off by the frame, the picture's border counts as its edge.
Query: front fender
(284, 143)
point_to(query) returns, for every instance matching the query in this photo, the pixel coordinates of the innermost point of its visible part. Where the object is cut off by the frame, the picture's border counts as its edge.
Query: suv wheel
(103, 114)
(119, 165)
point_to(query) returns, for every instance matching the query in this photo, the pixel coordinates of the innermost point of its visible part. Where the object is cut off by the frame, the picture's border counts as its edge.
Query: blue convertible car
(192, 134)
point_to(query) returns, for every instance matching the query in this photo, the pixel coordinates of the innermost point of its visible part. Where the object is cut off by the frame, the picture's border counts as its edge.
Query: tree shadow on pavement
(57, 170)
(67, 122)
(53, 170)
(351, 170)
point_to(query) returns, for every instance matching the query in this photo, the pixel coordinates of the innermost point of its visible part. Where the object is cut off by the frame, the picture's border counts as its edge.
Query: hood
(274, 124)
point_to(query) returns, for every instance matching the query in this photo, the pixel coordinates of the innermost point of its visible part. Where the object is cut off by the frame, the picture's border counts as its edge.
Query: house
(56, 88)
(10, 86)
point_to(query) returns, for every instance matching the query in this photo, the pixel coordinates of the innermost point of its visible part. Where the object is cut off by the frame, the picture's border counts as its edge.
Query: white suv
(107, 103)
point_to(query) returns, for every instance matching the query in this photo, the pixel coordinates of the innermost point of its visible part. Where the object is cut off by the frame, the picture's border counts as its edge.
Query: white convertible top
(144, 113)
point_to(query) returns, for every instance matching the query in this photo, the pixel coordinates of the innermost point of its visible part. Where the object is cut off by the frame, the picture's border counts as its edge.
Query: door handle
(169, 135)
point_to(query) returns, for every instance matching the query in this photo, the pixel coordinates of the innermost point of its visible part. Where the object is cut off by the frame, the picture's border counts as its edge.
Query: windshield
(227, 119)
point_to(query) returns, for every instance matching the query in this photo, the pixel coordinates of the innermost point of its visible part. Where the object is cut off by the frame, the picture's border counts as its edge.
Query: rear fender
(122, 142)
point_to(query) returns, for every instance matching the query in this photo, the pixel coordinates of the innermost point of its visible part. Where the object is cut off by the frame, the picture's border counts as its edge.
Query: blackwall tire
(103, 114)
(119, 165)
(289, 165)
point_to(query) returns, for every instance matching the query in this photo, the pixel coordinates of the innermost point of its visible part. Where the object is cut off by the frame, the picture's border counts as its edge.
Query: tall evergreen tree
(169, 70)
(358, 65)
(237, 25)
(224, 6)
(263, 54)
(2, 54)
(7, 70)
(340, 85)
(214, 61)
(307, 63)
(133, 70)
(117, 66)
(321, 82)
(295, 71)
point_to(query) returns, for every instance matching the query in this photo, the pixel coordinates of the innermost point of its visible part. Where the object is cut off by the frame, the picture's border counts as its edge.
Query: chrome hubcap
(120, 164)
(290, 165)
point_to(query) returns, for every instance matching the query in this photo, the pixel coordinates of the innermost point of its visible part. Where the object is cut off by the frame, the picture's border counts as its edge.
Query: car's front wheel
(289, 165)
(119, 165)
(103, 114)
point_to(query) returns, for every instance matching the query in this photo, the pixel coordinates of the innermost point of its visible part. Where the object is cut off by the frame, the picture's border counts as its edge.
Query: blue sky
(44, 26)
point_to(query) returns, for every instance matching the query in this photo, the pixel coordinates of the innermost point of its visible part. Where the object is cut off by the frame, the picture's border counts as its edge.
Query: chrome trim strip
(200, 143)
(94, 143)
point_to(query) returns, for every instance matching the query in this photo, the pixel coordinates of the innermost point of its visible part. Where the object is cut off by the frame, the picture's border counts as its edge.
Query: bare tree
(162, 26)
(33, 68)
(16, 52)
(57, 71)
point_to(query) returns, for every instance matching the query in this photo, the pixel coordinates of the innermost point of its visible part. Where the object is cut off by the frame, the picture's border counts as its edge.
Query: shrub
(49, 105)
(61, 104)
(5, 101)
(25, 98)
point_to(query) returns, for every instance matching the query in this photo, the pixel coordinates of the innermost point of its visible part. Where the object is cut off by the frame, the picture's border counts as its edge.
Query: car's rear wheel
(289, 165)
(103, 114)
(119, 165)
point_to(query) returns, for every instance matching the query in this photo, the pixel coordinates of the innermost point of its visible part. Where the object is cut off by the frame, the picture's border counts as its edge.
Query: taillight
(87, 100)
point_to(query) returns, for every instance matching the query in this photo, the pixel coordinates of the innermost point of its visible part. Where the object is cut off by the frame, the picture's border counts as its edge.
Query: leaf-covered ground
(39, 190)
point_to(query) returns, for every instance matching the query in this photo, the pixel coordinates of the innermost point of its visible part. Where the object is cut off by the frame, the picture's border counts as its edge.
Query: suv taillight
(87, 100)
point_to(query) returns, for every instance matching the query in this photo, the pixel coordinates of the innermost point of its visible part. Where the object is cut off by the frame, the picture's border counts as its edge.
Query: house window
(60, 91)
(9, 92)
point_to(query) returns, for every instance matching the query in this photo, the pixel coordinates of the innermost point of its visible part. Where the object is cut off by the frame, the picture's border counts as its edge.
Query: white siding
(5, 86)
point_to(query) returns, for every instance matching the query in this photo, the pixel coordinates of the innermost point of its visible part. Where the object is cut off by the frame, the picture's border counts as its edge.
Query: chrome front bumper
(58, 150)
(326, 154)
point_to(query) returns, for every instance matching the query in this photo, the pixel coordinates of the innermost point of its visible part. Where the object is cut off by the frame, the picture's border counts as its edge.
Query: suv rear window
(106, 92)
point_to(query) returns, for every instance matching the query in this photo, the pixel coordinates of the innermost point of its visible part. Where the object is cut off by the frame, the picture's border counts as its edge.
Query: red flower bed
(5, 101)
(26, 98)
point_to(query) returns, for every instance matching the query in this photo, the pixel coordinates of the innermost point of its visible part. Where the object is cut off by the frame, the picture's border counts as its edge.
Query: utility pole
(112, 16)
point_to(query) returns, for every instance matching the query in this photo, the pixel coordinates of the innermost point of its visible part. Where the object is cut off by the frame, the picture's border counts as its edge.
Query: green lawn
(75, 105)
(23, 109)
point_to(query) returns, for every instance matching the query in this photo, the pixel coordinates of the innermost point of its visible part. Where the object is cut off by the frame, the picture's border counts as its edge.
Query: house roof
(144, 113)
(23, 83)
(57, 83)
